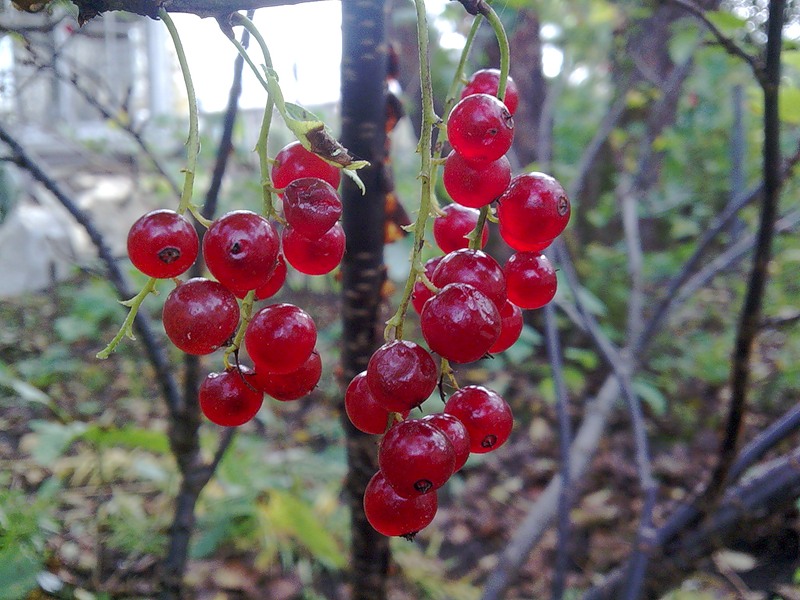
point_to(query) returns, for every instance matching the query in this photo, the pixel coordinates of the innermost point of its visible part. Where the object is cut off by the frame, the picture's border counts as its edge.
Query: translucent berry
(476, 268)
(451, 228)
(294, 162)
(280, 338)
(522, 244)
(162, 244)
(292, 385)
(510, 327)
(455, 431)
(460, 323)
(314, 256)
(229, 398)
(416, 458)
(421, 292)
(475, 184)
(393, 515)
(311, 206)
(531, 279)
(200, 316)
(534, 208)
(241, 249)
(364, 412)
(401, 375)
(485, 414)
(480, 128)
(486, 81)
(272, 285)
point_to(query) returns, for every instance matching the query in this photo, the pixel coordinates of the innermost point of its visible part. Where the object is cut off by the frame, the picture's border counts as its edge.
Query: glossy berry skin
(534, 208)
(274, 282)
(486, 81)
(416, 458)
(280, 338)
(460, 323)
(510, 327)
(531, 279)
(480, 128)
(476, 268)
(401, 375)
(229, 398)
(475, 185)
(451, 228)
(293, 385)
(523, 244)
(421, 293)
(314, 256)
(162, 244)
(485, 414)
(294, 161)
(364, 412)
(311, 206)
(393, 515)
(200, 316)
(456, 432)
(241, 249)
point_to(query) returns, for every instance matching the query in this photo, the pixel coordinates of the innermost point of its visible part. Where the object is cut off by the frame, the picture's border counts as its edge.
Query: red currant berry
(460, 323)
(314, 256)
(522, 244)
(229, 398)
(241, 249)
(455, 432)
(401, 375)
(280, 338)
(480, 128)
(311, 206)
(421, 292)
(162, 244)
(275, 282)
(364, 412)
(416, 458)
(475, 185)
(510, 327)
(531, 279)
(391, 514)
(292, 385)
(200, 315)
(294, 162)
(485, 414)
(476, 268)
(486, 81)
(451, 228)
(534, 208)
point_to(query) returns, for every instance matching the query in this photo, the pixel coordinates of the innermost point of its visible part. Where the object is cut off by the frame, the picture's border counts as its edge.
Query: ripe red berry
(311, 206)
(200, 315)
(416, 458)
(364, 412)
(401, 375)
(162, 244)
(485, 414)
(486, 81)
(229, 398)
(294, 162)
(510, 327)
(391, 514)
(451, 228)
(460, 323)
(280, 338)
(475, 184)
(241, 249)
(522, 244)
(476, 268)
(531, 279)
(314, 256)
(421, 292)
(270, 287)
(534, 208)
(455, 432)
(292, 385)
(480, 128)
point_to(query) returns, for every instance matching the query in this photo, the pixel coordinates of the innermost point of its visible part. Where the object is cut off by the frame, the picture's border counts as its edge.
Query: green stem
(505, 53)
(127, 326)
(476, 234)
(246, 312)
(458, 78)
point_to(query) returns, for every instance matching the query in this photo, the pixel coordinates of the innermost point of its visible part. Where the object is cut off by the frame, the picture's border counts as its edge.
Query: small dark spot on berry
(423, 485)
(563, 205)
(236, 248)
(492, 132)
(489, 441)
(169, 255)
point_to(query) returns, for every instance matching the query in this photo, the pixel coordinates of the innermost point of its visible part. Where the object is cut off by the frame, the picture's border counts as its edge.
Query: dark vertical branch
(364, 69)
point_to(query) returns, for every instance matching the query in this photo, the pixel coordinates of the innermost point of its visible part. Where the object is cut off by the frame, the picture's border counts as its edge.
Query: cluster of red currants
(469, 307)
(244, 252)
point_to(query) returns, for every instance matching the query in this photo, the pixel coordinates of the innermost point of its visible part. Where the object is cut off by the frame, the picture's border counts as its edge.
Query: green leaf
(651, 396)
(23, 389)
(725, 21)
(129, 437)
(683, 43)
(53, 439)
(18, 572)
(789, 105)
(791, 58)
